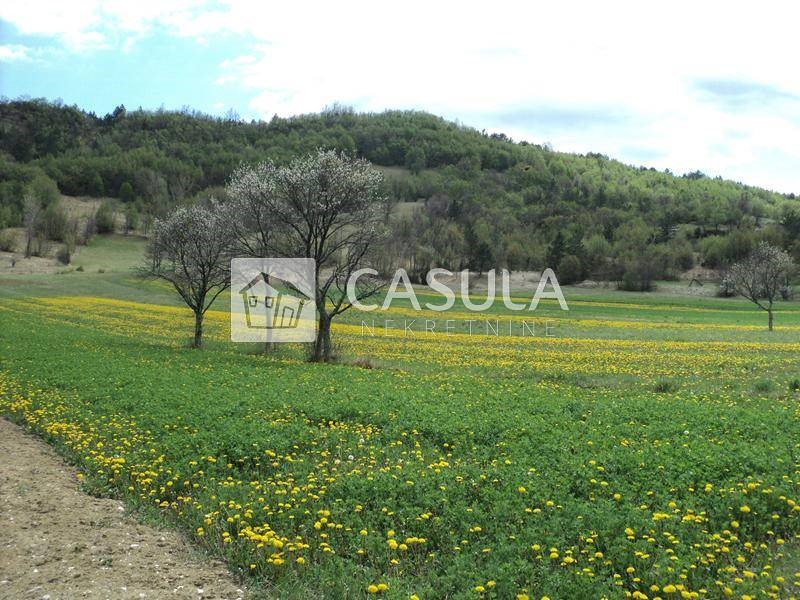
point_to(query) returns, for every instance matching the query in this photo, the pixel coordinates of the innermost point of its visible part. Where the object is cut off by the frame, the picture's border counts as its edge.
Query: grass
(115, 253)
(649, 448)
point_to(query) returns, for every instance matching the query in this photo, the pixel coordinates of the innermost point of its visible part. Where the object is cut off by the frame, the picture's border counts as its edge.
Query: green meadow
(648, 448)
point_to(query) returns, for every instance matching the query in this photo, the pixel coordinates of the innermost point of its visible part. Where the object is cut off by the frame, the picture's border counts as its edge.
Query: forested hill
(504, 202)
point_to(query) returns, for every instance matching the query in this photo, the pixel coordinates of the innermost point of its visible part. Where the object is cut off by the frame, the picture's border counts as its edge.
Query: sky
(685, 86)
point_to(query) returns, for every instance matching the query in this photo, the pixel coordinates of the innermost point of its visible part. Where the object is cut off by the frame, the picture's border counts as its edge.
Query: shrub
(726, 288)
(639, 272)
(8, 217)
(570, 269)
(63, 255)
(53, 223)
(104, 218)
(89, 229)
(39, 246)
(7, 241)
(131, 218)
(43, 189)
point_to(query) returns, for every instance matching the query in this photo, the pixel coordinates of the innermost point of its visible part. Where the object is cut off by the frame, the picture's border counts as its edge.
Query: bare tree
(326, 206)
(191, 249)
(179, 186)
(762, 276)
(89, 229)
(31, 215)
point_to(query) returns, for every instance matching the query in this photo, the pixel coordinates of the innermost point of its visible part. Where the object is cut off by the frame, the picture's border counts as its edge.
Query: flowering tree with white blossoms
(762, 276)
(326, 206)
(192, 249)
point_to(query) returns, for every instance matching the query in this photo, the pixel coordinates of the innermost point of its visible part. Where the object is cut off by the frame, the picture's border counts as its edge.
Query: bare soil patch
(59, 542)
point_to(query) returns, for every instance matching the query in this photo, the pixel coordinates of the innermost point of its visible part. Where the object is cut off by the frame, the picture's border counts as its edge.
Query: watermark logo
(400, 287)
(273, 300)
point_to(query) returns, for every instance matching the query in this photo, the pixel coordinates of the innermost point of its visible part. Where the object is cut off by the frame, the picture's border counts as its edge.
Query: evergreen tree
(126, 193)
(96, 187)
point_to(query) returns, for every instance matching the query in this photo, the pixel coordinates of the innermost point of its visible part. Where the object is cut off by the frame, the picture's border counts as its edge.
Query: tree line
(456, 197)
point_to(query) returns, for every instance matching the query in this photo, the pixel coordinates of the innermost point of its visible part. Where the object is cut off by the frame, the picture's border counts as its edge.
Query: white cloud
(645, 82)
(82, 25)
(14, 52)
(73, 23)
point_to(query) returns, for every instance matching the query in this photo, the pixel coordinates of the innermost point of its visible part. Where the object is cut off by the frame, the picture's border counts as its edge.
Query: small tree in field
(761, 276)
(31, 215)
(326, 206)
(191, 249)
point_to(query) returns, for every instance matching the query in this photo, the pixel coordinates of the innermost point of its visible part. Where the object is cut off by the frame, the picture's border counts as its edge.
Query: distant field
(119, 253)
(650, 447)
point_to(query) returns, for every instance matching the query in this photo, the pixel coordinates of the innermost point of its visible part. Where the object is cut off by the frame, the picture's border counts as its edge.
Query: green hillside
(480, 200)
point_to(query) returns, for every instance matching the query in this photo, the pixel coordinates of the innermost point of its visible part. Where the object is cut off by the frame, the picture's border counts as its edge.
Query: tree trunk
(269, 345)
(28, 242)
(769, 312)
(198, 330)
(322, 345)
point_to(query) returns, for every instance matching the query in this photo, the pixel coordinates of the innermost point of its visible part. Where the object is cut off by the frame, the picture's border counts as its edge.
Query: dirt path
(58, 542)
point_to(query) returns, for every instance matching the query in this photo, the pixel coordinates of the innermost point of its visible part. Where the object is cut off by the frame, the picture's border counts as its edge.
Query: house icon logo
(273, 300)
(267, 307)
